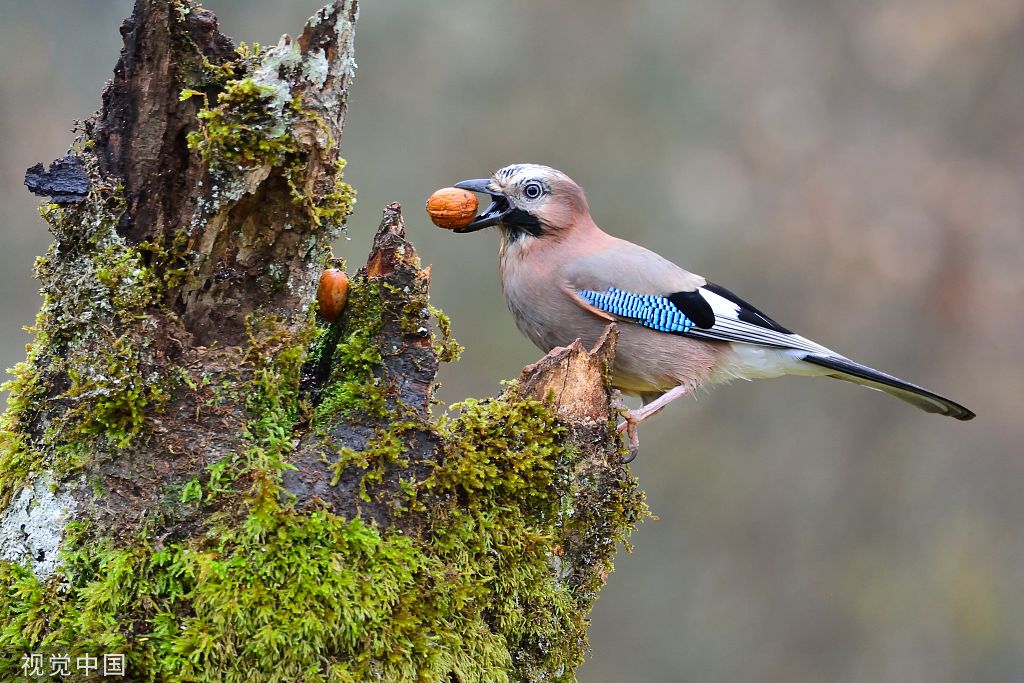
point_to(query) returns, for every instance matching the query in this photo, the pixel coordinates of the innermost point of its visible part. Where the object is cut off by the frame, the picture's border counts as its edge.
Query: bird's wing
(707, 312)
(627, 282)
(631, 284)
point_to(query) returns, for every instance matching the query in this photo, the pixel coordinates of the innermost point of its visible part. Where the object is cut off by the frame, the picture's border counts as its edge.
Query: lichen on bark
(199, 473)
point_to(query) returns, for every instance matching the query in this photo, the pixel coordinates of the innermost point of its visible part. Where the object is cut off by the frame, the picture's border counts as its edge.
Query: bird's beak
(494, 213)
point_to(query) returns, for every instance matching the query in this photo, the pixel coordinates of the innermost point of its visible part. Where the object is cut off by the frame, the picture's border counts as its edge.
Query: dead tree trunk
(200, 475)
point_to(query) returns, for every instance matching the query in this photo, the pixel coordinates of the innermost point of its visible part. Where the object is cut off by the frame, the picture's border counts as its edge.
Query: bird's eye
(533, 190)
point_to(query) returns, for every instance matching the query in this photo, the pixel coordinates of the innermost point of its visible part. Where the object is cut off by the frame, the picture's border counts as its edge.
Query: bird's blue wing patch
(649, 310)
(666, 314)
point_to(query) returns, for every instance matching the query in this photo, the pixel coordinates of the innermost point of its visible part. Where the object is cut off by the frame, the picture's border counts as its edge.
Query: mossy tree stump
(200, 474)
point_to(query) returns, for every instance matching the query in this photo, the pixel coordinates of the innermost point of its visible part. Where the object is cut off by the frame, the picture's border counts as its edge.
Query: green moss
(504, 498)
(385, 451)
(272, 397)
(245, 128)
(328, 207)
(192, 491)
(354, 385)
(18, 457)
(280, 594)
(247, 51)
(132, 285)
(110, 393)
(300, 597)
(168, 263)
(446, 347)
(249, 126)
(331, 208)
(271, 592)
(506, 449)
(246, 121)
(89, 339)
(17, 461)
(357, 389)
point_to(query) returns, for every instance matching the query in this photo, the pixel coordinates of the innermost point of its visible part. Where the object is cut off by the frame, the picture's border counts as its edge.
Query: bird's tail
(846, 369)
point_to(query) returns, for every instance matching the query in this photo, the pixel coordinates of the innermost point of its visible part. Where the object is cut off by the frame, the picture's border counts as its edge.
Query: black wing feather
(695, 307)
(747, 313)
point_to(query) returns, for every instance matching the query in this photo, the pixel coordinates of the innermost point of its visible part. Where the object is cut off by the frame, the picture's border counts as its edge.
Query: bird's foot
(635, 417)
(629, 426)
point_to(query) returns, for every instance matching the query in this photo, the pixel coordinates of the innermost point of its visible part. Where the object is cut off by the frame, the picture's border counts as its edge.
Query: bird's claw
(629, 426)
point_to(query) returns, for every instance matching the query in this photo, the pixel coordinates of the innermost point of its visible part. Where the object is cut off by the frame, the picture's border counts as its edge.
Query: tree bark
(201, 475)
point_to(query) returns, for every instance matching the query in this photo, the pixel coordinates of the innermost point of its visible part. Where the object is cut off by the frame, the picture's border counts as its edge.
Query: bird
(564, 278)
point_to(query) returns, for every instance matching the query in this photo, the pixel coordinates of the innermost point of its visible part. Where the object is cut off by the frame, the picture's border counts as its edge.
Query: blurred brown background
(855, 168)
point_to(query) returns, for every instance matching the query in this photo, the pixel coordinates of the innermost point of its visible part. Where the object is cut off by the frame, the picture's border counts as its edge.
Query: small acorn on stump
(332, 293)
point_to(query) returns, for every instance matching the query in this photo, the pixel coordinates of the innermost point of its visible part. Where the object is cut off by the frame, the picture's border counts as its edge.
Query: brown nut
(332, 293)
(451, 207)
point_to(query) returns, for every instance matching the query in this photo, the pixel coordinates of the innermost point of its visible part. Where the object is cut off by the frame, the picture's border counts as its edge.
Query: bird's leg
(635, 417)
(619, 405)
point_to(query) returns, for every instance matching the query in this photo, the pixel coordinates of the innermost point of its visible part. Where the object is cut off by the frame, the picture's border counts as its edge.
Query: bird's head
(528, 199)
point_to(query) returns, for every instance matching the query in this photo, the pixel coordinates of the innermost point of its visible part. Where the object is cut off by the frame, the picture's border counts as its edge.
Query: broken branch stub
(575, 379)
(359, 403)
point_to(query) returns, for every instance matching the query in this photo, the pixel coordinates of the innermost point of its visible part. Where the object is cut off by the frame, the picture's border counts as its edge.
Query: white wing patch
(731, 324)
(719, 304)
(729, 327)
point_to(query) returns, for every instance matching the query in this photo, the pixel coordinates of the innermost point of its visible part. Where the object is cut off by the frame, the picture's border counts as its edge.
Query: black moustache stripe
(522, 222)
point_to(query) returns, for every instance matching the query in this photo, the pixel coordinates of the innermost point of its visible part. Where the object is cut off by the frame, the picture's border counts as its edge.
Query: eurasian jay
(564, 279)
